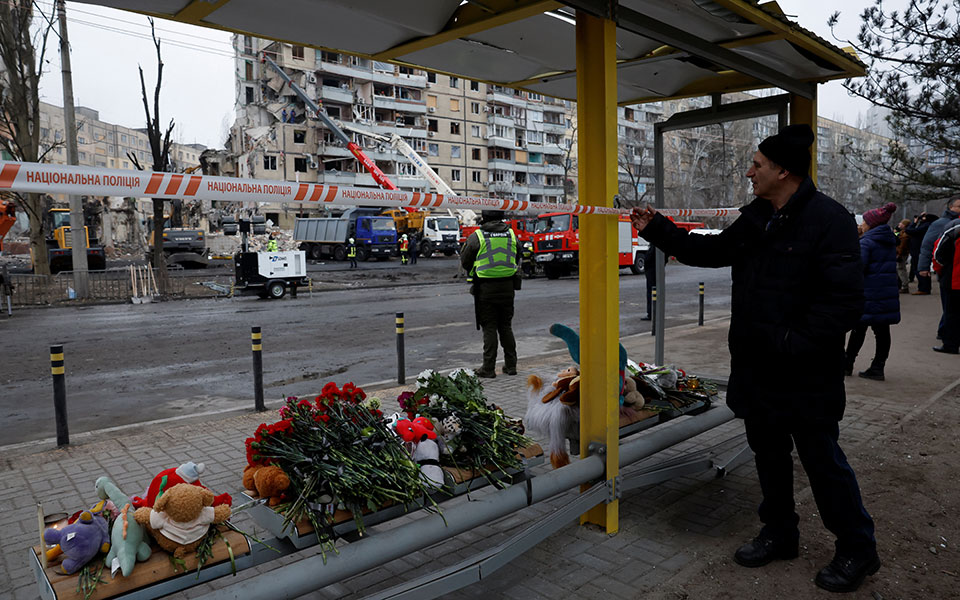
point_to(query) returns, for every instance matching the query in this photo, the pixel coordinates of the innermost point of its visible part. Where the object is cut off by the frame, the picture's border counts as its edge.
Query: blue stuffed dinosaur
(572, 339)
(128, 536)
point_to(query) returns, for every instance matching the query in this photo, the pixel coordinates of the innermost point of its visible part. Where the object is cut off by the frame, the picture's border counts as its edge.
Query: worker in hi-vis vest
(491, 257)
(352, 253)
(272, 244)
(404, 250)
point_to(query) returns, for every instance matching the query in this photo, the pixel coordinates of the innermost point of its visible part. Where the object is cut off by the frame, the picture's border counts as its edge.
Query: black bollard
(59, 394)
(653, 311)
(255, 340)
(700, 319)
(401, 377)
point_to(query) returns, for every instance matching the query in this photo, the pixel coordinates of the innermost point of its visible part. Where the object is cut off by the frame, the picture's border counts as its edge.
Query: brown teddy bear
(267, 482)
(181, 517)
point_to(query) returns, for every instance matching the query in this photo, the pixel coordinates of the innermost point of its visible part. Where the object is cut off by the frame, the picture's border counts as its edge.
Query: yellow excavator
(60, 243)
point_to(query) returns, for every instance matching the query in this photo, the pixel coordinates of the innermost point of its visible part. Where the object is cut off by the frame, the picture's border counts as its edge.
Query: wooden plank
(154, 570)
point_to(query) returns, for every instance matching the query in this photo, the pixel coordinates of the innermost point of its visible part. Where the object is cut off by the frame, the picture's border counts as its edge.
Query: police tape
(89, 181)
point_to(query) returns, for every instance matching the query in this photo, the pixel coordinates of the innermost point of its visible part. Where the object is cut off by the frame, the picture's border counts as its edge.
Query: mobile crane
(434, 230)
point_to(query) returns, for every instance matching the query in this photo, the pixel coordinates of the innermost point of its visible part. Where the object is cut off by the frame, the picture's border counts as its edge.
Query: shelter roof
(665, 48)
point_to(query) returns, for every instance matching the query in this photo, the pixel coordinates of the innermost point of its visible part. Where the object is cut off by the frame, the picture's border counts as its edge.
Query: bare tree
(20, 72)
(914, 71)
(569, 165)
(628, 164)
(160, 148)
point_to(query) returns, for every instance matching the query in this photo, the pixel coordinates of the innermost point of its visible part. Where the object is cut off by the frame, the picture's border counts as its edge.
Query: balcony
(386, 128)
(503, 165)
(553, 149)
(500, 187)
(504, 98)
(557, 128)
(338, 178)
(333, 151)
(336, 94)
(390, 103)
(493, 119)
(409, 182)
(552, 169)
(500, 142)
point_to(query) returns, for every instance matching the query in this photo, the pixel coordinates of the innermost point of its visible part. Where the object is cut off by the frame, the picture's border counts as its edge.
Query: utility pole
(78, 238)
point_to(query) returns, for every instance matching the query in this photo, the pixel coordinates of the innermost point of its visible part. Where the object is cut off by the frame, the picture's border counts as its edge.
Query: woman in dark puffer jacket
(878, 252)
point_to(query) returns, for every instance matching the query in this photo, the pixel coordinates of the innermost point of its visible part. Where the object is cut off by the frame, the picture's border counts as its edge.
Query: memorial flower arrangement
(477, 435)
(339, 455)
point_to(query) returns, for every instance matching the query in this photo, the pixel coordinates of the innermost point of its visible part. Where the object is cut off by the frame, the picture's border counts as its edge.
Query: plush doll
(181, 517)
(572, 339)
(416, 430)
(127, 536)
(80, 541)
(450, 428)
(420, 437)
(551, 418)
(188, 472)
(268, 482)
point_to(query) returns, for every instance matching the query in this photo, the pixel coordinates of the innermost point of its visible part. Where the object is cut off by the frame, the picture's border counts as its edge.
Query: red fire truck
(556, 244)
(522, 227)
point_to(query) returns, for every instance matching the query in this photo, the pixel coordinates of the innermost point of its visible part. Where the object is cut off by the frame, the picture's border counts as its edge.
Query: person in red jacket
(946, 252)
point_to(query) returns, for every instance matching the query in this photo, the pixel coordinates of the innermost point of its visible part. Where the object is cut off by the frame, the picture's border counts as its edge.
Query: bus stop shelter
(599, 53)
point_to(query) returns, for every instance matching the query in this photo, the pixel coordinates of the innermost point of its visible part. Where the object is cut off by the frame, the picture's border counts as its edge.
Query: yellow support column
(599, 291)
(804, 110)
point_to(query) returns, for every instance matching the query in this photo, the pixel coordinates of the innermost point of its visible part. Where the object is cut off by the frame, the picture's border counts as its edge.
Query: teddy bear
(188, 472)
(566, 388)
(80, 541)
(268, 482)
(181, 517)
(127, 536)
(632, 398)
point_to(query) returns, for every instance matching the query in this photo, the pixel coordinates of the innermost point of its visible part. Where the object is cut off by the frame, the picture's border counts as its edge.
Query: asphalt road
(129, 363)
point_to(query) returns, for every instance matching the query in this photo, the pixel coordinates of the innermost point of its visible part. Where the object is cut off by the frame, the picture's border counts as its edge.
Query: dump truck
(437, 233)
(375, 235)
(60, 243)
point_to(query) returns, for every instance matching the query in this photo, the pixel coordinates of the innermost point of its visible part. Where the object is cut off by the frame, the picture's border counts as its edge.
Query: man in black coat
(797, 290)
(916, 231)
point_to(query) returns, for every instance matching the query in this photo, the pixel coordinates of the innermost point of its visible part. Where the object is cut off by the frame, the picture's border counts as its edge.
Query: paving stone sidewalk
(664, 528)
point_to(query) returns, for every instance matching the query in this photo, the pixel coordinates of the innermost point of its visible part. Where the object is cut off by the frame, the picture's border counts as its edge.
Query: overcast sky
(198, 91)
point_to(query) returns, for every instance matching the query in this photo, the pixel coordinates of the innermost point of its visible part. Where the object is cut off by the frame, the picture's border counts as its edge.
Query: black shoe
(763, 550)
(872, 373)
(486, 374)
(509, 370)
(946, 350)
(845, 574)
(646, 318)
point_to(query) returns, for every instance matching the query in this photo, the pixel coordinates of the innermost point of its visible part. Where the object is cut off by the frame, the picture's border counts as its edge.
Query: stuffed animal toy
(632, 398)
(188, 472)
(566, 388)
(426, 453)
(551, 418)
(572, 339)
(80, 541)
(450, 428)
(416, 430)
(181, 517)
(127, 537)
(268, 482)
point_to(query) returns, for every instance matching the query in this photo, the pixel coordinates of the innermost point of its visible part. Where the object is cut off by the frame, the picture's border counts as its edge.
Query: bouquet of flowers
(483, 438)
(339, 454)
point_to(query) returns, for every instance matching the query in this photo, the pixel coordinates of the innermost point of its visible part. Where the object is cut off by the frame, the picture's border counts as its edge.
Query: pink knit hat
(879, 216)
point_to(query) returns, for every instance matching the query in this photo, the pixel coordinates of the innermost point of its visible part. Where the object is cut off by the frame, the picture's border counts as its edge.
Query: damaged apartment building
(482, 140)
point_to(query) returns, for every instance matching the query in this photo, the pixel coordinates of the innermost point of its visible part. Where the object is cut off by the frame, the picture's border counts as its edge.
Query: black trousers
(496, 320)
(951, 319)
(859, 334)
(833, 482)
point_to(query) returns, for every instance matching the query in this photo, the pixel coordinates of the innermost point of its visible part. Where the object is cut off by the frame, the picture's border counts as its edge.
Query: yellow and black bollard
(653, 311)
(255, 340)
(59, 394)
(401, 378)
(700, 318)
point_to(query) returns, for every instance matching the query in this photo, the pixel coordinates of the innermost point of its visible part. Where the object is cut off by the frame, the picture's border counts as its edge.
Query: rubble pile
(284, 237)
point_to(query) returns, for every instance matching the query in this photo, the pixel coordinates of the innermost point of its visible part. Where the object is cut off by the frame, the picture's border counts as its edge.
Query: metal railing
(112, 284)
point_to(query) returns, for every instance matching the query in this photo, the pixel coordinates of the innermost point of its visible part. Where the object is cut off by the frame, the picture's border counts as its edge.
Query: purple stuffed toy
(80, 541)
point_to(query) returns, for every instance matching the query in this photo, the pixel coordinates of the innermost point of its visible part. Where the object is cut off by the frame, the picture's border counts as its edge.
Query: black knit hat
(790, 148)
(488, 216)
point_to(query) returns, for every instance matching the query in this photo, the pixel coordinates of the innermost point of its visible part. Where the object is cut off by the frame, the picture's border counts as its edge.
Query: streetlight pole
(78, 238)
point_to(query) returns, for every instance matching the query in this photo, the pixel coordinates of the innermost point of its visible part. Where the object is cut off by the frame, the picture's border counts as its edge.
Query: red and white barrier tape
(89, 181)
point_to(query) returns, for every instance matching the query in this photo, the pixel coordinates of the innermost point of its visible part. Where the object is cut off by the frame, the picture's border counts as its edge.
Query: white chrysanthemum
(425, 374)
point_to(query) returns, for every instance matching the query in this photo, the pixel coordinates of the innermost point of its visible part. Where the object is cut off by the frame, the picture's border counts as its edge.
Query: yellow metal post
(804, 110)
(599, 317)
